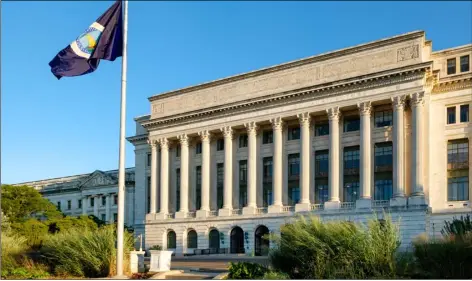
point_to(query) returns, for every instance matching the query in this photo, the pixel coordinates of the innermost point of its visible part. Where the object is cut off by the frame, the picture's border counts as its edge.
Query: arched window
(214, 240)
(192, 240)
(237, 241)
(171, 240)
(261, 241)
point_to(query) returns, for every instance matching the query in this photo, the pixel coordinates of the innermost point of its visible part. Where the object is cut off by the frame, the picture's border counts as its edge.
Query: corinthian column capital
(205, 136)
(152, 143)
(251, 128)
(277, 123)
(365, 108)
(417, 99)
(183, 139)
(164, 142)
(227, 132)
(398, 102)
(333, 113)
(304, 118)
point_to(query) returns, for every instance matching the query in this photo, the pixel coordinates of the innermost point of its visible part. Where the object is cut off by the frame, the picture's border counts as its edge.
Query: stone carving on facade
(417, 99)
(251, 128)
(408, 53)
(398, 102)
(227, 132)
(98, 178)
(205, 136)
(277, 123)
(365, 108)
(304, 118)
(183, 139)
(333, 113)
(164, 143)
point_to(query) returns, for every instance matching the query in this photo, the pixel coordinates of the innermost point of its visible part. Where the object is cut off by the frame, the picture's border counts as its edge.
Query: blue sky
(54, 128)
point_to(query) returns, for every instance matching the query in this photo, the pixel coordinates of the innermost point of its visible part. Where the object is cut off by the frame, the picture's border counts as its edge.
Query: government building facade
(382, 127)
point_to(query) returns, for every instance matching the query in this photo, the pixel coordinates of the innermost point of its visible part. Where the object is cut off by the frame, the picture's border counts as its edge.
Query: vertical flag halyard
(105, 39)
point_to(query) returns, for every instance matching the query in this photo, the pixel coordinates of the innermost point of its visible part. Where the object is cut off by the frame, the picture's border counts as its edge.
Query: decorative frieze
(408, 53)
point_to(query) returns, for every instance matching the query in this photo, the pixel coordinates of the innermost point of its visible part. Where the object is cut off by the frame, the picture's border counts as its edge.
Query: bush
(13, 247)
(246, 270)
(33, 230)
(156, 248)
(274, 275)
(458, 227)
(310, 249)
(85, 253)
(68, 223)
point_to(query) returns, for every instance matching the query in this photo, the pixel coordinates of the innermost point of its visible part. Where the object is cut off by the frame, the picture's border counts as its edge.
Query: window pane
(243, 141)
(458, 189)
(352, 124)
(451, 115)
(294, 133)
(198, 200)
(219, 185)
(451, 66)
(321, 163)
(220, 144)
(322, 129)
(177, 186)
(198, 148)
(458, 154)
(351, 190)
(383, 118)
(267, 137)
(465, 64)
(465, 113)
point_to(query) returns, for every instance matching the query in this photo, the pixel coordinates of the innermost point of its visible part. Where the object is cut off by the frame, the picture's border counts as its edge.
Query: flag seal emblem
(86, 43)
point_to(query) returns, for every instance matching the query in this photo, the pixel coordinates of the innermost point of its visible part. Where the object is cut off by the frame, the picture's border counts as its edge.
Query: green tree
(22, 202)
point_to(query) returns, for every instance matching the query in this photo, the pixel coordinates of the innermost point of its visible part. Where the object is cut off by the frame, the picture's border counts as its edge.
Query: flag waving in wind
(102, 40)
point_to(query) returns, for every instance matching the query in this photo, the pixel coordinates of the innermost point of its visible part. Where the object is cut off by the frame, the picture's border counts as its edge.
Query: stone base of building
(303, 207)
(398, 201)
(249, 211)
(364, 204)
(202, 214)
(275, 209)
(180, 215)
(416, 200)
(330, 205)
(225, 212)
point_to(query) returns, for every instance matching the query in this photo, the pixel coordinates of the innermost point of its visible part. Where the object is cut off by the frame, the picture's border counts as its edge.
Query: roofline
(458, 48)
(316, 58)
(142, 117)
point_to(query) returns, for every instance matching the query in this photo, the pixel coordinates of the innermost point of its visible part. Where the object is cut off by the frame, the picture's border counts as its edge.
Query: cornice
(455, 83)
(296, 63)
(360, 83)
(138, 138)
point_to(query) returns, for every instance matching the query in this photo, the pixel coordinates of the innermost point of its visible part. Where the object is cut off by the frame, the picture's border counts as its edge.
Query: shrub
(33, 230)
(457, 227)
(68, 223)
(156, 248)
(84, 252)
(13, 248)
(246, 270)
(275, 275)
(310, 249)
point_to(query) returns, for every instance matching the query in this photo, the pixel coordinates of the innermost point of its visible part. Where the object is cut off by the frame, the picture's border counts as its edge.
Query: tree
(22, 202)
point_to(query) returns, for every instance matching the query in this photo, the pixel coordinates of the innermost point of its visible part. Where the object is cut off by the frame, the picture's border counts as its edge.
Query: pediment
(96, 179)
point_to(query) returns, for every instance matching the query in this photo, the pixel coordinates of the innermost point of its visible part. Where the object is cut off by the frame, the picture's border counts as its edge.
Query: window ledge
(457, 125)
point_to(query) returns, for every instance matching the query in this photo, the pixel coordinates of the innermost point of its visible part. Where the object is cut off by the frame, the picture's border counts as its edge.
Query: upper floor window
(177, 151)
(293, 133)
(115, 217)
(115, 198)
(198, 148)
(322, 129)
(148, 159)
(267, 136)
(351, 160)
(220, 144)
(80, 203)
(351, 123)
(451, 115)
(458, 154)
(464, 113)
(243, 172)
(59, 205)
(104, 217)
(69, 204)
(465, 63)
(104, 200)
(383, 118)
(383, 157)
(220, 178)
(92, 202)
(451, 66)
(293, 165)
(321, 163)
(242, 140)
(267, 169)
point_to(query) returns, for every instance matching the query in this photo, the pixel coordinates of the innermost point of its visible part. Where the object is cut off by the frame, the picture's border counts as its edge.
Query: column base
(416, 200)
(150, 216)
(303, 207)
(249, 210)
(225, 212)
(364, 204)
(161, 216)
(181, 215)
(332, 205)
(201, 214)
(273, 209)
(399, 201)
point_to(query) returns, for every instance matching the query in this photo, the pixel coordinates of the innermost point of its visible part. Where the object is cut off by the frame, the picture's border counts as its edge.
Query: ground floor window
(237, 241)
(171, 240)
(261, 243)
(214, 240)
(192, 239)
(458, 189)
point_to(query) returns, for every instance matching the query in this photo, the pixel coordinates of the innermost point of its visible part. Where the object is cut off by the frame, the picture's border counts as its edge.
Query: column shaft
(277, 126)
(107, 206)
(184, 173)
(398, 104)
(96, 201)
(417, 102)
(365, 150)
(164, 176)
(84, 205)
(153, 188)
(252, 164)
(333, 179)
(205, 136)
(228, 174)
(305, 157)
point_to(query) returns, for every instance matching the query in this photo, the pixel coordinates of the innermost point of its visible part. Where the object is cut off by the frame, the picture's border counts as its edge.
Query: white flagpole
(121, 171)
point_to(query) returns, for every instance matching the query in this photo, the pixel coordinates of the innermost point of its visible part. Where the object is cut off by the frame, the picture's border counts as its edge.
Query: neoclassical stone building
(342, 135)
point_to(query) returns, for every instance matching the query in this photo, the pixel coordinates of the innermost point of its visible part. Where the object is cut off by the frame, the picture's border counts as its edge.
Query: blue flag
(102, 40)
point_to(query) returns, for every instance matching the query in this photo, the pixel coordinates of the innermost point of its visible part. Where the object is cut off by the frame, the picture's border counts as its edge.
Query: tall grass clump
(84, 252)
(310, 249)
(13, 248)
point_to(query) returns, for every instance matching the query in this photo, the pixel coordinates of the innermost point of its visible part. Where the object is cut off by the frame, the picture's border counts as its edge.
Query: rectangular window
(451, 66)
(267, 136)
(220, 178)
(220, 145)
(458, 154)
(59, 205)
(104, 200)
(177, 187)
(458, 170)
(198, 187)
(177, 151)
(464, 113)
(383, 188)
(351, 173)
(465, 66)
(383, 157)
(242, 141)
(115, 199)
(321, 176)
(293, 178)
(322, 129)
(267, 181)
(104, 217)
(80, 203)
(69, 204)
(451, 115)
(148, 187)
(321, 191)
(293, 133)
(351, 124)
(115, 217)
(242, 183)
(198, 148)
(383, 118)
(92, 202)
(148, 161)
(458, 189)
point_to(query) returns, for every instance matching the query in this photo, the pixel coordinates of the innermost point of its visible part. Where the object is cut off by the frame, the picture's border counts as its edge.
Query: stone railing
(236, 212)
(380, 203)
(348, 205)
(316, 207)
(286, 209)
(260, 211)
(213, 213)
(191, 214)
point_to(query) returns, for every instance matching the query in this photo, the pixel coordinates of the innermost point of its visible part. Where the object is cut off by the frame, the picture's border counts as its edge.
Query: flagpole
(121, 171)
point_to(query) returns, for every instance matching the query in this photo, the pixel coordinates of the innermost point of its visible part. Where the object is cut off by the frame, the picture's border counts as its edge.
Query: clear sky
(54, 128)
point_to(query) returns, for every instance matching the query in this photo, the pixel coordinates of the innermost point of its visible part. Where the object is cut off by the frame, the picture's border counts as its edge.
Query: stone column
(205, 206)
(277, 126)
(184, 162)
(153, 187)
(304, 204)
(107, 207)
(417, 180)
(399, 199)
(251, 207)
(164, 178)
(333, 178)
(84, 205)
(96, 201)
(228, 184)
(364, 201)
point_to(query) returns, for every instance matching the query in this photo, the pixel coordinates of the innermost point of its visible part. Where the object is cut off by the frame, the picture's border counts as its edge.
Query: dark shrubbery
(246, 270)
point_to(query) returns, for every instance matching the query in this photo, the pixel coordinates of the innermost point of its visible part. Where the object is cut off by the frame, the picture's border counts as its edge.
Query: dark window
(458, 189)
(322, 129)
(59, 205)
(104, 217)
(198, 148)
(267, 137)
(115, 217)
(243, 141)
(242, 183)
(80, 203)
(220, 144)
(383, 118)
(267, 181)
(321, 191)
(321, 176)
(383, 157)
(293, 133)
(465, 64)
(198, 187)
(148, 187)
(177, 187)
(451, 115)
(171, 240)
(192, 239)
(293, 178)
(92, 202)
(351, 124)
(148, 159)
(383, 189)
(177, 151)
(458, 154)
(451, 66)
(69, 204)
(115, 199)
(220, 177)
(464, 113)
(351, 189)
(104, 200)
(351, 173)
